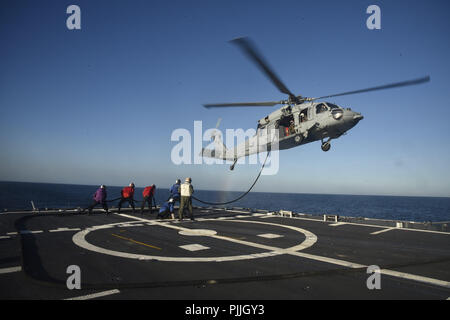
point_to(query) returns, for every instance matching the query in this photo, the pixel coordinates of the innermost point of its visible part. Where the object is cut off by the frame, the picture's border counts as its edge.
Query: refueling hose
(242, 195)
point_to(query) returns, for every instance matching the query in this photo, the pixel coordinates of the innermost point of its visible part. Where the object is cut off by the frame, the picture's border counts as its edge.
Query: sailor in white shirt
(186, 191)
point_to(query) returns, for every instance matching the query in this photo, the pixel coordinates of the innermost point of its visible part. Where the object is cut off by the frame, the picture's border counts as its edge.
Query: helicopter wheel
(326, 146)
(298, 139)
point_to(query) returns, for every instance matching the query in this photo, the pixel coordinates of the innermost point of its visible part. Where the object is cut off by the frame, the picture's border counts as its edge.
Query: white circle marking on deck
(310, 238)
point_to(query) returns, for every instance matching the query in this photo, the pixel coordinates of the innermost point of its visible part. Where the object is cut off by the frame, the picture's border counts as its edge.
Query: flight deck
(230, 254)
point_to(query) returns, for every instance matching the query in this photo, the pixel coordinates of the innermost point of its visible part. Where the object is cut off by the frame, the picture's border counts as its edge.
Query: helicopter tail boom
(219, 150)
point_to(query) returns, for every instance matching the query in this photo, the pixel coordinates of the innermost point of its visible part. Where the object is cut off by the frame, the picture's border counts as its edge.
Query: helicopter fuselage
(297, 125)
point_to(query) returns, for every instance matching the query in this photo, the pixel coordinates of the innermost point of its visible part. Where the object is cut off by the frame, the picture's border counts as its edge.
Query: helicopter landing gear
(298, 138)
(326, 145)
(234, 163)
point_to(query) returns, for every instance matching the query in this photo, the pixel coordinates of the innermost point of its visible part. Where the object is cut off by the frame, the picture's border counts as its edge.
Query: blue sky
(99, 105)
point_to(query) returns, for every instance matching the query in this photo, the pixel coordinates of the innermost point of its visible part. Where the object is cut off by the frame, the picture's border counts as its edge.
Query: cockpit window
(332, 106)
(321, 107)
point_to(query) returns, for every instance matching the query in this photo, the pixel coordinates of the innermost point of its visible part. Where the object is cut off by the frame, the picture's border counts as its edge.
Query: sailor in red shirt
(149, 195)
(127, 194)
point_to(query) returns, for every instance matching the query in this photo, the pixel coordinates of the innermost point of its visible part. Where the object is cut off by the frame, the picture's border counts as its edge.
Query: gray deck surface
(230, 255)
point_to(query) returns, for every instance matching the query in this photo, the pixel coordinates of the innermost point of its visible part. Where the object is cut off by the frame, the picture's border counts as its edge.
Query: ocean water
(18, 195)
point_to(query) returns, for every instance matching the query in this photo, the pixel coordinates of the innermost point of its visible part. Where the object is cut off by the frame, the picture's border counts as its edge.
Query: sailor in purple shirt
(99, 198)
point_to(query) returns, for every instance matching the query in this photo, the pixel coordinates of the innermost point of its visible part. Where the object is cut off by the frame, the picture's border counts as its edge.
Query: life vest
(128, 192)
(148, 191)
(186, 190)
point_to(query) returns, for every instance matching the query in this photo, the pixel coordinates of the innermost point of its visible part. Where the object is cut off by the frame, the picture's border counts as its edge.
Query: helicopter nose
(357, 117)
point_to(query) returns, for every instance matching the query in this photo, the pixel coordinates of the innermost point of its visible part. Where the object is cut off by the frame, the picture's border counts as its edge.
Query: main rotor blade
(243, 104)
(250, 50)
(387, 86)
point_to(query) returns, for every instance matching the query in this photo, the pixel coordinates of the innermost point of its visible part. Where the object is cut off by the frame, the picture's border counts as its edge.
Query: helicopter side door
(304, 116)
(306, 120)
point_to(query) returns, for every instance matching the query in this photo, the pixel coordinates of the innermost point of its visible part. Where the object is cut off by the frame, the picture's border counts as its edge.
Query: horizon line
(338, 194)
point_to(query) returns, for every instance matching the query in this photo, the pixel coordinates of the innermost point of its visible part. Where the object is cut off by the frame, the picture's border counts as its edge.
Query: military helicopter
(299, 121)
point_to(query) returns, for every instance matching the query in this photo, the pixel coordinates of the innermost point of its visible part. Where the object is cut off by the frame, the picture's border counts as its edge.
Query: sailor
(175, 191)
(99, 198)
(149, 196)
(302, 117)
(127, 194)
(166, 209)
(186, 190)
